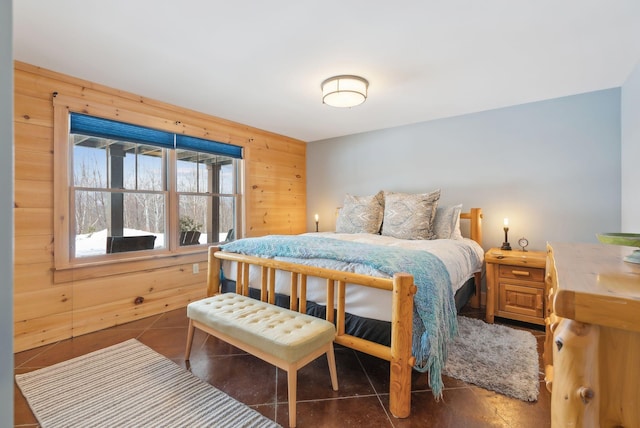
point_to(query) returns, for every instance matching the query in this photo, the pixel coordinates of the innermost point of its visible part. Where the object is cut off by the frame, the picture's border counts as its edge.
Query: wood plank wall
(46, 312)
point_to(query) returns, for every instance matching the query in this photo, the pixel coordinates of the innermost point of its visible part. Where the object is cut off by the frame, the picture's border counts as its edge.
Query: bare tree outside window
(120, 190)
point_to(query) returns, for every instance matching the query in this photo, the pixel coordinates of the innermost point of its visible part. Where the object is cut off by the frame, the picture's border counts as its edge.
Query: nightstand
(516, 285)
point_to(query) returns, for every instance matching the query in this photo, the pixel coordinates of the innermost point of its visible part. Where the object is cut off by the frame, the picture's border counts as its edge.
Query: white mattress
(461, 257)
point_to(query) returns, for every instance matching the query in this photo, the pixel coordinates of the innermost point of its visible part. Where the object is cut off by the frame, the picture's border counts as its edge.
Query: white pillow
(446, 225)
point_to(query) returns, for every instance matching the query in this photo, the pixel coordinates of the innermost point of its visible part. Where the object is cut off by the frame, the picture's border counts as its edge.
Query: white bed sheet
(461, 257)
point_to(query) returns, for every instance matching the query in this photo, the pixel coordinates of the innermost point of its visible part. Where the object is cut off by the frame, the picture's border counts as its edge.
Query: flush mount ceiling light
(344, 91)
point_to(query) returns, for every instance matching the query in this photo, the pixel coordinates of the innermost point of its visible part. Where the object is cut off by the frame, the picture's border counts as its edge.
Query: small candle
(316, 217)
(506, 222)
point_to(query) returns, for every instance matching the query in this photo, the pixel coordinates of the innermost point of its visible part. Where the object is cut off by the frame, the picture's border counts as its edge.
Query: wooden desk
(592, 348)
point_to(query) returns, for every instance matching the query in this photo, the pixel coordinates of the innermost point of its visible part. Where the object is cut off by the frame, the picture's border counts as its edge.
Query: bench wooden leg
(331, 359)
(292, 380)
(190, 332)
(303, 355)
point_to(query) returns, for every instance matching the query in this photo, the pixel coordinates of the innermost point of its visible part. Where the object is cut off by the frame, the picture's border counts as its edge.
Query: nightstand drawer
(521, 273)
(517, 299)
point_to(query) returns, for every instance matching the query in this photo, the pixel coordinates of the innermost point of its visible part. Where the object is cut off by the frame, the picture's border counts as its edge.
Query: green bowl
(627, 239)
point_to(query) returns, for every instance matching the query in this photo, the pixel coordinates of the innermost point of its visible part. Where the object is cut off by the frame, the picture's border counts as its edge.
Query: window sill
(103, 268)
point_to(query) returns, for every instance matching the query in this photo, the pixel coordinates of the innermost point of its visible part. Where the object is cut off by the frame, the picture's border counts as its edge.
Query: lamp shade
(344, 91)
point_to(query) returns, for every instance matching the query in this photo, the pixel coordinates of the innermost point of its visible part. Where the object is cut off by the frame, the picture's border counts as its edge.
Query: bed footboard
(401, 285)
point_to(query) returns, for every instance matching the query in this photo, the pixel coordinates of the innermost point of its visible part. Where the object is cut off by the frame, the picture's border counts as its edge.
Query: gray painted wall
(551, 167)
(6, 215)
(631, 153)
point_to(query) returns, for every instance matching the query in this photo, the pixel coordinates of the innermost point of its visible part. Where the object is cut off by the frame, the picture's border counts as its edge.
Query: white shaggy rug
(495, 357)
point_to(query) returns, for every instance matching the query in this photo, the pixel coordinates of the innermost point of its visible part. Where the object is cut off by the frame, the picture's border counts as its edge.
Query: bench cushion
(283, 333)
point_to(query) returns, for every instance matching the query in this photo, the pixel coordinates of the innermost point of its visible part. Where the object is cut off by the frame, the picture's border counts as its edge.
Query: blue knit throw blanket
(434, 313)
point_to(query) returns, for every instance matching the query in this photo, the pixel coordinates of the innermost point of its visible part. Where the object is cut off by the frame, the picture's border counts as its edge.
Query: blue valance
(208, 146)
(106, 128)
(114, 130)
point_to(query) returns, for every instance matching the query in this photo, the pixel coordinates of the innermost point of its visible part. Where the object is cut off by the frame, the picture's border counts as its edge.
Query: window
(135, 188)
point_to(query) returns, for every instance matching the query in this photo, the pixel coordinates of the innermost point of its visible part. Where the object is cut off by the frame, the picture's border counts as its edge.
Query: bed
(378, 309)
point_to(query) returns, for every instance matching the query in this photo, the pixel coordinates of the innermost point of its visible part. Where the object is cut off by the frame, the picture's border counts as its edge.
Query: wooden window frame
(67, 268)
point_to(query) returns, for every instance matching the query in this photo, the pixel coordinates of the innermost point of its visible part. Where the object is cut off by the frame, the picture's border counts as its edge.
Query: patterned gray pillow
(410, 216)
(361, 214)
(446, 224)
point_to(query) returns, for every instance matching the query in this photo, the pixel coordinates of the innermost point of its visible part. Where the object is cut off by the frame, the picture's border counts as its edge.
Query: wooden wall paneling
(31, 110)
(42, 83)
(285, 145)
(279, 210)
(40, 331)
(268, 222)
(39, 79)
(81, 85)
(37, 304)
(32, 277)
(96, 292)
(32, 194)
(33, 221)
(31, 137)
(172, 121)
(278, 186)
(33, 249)
(274, 170)
(120, 312)
(112, 110)
(264, 155)
(30, 165)
(223, 133)
(274, 202)
(146, 264)
(275, 217)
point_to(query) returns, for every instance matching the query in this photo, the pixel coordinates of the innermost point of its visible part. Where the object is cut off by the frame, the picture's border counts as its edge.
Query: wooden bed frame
(401, 285)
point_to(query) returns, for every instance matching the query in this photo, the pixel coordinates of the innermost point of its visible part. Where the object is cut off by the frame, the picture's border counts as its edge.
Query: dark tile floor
(361, 401)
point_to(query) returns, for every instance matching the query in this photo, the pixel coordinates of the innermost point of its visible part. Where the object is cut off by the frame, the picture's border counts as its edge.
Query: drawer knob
(520, 273)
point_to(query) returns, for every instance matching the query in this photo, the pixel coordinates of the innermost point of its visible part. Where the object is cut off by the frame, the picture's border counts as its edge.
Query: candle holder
(505, 245)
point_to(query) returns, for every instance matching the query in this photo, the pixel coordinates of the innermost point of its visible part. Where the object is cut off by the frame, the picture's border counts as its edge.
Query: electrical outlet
(196, 268)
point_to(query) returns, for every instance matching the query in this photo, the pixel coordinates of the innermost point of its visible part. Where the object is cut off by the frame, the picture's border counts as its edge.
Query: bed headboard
(475, 223)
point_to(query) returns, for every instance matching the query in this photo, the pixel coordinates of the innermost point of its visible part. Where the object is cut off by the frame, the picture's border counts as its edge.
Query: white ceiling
(261, 62)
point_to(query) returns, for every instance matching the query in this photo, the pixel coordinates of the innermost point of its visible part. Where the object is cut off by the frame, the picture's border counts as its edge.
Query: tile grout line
(377, 394)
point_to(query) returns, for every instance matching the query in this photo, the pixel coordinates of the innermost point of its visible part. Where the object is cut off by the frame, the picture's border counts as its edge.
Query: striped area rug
(130, 385)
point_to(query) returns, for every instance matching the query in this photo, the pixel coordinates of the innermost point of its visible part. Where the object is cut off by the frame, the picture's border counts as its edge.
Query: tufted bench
(285, 338)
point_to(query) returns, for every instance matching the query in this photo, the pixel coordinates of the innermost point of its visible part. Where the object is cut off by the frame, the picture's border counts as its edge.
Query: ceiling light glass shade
(344, 91)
